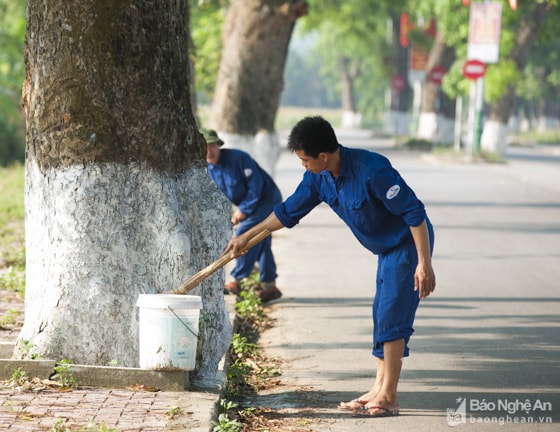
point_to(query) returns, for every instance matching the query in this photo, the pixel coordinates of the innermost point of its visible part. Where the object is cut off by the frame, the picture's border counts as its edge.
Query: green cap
(211, 136)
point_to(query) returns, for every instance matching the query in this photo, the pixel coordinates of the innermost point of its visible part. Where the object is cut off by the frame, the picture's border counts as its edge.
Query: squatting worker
(388, 219)
(254, 193)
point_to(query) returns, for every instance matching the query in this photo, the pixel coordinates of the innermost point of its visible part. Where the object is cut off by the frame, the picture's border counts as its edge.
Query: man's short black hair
(313, 135)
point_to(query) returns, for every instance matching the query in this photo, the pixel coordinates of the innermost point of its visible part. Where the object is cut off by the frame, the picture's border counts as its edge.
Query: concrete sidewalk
(488, 337)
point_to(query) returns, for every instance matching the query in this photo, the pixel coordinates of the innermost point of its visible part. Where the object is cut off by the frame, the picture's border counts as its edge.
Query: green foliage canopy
(353, 30)
(207, 19)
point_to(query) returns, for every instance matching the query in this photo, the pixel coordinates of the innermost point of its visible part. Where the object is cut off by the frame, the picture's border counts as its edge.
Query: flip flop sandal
(364, 411)
(354, 404)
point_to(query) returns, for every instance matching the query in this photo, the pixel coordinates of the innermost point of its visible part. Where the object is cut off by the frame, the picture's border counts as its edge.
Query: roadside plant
(237, 379)
(225, 423)
(13, 280)
(8, 319)
(249, 306)
(173, 412)
(25, 350)
(64, 375)
(19, 376)
(91, 426)
(241, 347)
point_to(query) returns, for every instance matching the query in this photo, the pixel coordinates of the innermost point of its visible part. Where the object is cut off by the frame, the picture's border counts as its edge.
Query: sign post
(417, 60)
(436, 76)
(475, 70)
(397, 83)
(485, 22)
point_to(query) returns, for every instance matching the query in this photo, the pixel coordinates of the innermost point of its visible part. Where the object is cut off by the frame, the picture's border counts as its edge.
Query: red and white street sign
(436, 74)
(474, 69)
(397, 83)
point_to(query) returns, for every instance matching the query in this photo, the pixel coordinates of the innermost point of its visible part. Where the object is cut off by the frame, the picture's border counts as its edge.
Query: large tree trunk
(494, 134)
(437, 111)
(255, 40)
(118, 200)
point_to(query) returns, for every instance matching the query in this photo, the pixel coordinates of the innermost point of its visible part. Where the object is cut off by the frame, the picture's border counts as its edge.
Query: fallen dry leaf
(142, 387)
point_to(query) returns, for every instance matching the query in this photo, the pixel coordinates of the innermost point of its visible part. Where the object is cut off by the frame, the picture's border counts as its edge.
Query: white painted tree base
(351, 120)
(494, 137)
(397, 123)
(435, 128)
(548, 123)
(98, 236)
(263, 147)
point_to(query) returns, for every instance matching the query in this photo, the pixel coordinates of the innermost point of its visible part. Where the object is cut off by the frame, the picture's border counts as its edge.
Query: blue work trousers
(396, 302)
(261, 252)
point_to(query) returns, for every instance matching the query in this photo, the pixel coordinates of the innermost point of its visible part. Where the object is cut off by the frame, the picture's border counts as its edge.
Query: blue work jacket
(369, 195)
(245, 183)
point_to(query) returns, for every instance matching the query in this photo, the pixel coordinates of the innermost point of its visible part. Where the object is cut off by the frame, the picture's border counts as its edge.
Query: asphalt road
(486, 347)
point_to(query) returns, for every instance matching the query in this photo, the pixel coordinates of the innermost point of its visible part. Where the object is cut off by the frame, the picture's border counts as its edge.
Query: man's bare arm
(236, 244)
(424, 277)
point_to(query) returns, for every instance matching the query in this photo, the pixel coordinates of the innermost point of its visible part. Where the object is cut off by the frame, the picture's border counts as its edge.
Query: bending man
(387, 218)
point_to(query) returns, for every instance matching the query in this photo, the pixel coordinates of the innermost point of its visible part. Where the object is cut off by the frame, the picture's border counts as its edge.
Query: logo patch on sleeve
(248, 172)
(393, 191)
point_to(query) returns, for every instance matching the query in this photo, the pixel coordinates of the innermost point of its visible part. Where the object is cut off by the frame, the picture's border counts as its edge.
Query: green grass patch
(13, 279)
(288, 116)
(8, 319)
(551, 137)
(11, 190)
(12, 231)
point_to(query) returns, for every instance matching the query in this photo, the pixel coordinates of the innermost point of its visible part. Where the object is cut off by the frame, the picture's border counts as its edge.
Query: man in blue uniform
(387, 218)
(254, 193)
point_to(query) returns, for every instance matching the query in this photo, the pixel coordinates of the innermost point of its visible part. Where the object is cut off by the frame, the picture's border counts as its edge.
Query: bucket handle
(182, 322)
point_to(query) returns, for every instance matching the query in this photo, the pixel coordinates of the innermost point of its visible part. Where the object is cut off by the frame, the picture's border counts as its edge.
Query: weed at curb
(173, 412)
(90, 426)
(225, 423)
(63, 375)
(249, 371)
(19, 376)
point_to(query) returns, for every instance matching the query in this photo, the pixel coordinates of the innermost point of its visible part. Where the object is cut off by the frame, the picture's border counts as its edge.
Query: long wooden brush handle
(193, 281)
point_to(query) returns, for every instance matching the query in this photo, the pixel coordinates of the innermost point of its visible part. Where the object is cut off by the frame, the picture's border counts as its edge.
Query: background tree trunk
(548, 105)
(118, 200)
(398, 118)
(255, 40)
(351, 118)
(494, 134)
(437, 111)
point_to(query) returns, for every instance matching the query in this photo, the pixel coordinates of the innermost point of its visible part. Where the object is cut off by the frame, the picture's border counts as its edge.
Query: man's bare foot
(358, 402)
(354, 404)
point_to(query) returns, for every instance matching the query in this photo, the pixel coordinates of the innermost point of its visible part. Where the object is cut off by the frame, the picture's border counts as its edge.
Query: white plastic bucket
(168, 330)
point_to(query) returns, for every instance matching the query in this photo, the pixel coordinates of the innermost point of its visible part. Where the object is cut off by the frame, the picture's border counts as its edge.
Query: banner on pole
(485, 23)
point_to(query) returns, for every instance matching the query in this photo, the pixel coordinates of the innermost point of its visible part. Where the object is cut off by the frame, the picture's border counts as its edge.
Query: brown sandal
(231, 288)
(269, 294)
